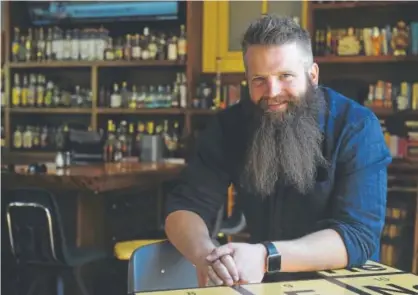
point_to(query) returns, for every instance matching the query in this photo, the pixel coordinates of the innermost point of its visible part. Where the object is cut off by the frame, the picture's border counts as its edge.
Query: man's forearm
(189, 234)
(317, 251)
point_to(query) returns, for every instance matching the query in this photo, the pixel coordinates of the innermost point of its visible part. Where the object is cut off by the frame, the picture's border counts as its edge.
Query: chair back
(34, 230)
(159, 266)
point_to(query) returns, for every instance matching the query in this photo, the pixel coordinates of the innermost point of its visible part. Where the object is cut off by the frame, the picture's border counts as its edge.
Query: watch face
(274, 263)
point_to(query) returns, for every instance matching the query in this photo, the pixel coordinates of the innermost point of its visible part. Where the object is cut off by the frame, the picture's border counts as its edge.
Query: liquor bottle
(3, 94)
(40, 91)
(49, 94)
(376, 41)
(16, 45)
(136, 48)
(32, 91)
(108, 146)
(115, 97)
(48, 45)
(44, 138)
(124, 95)
(153, 48)
(40, 45)
(109, 53)
(161, 48)
(182, 44)
(36, 138)
(130, 141)
(25, 91)
(128, 48)
(17, 138)
(183, 90)
(27, 138)
(29, 46)
(145, 54)
(133, 98)
(172, 49)
(16, 91)
(3, 139)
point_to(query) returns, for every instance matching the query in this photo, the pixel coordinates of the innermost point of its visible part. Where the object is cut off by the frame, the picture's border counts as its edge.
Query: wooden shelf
(365, 59)
(104, 64)
(203, 112)
(344, 5)
(382, 112)
(51, 110)
(162, 111)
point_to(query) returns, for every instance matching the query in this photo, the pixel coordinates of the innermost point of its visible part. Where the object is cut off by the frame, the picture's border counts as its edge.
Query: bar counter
(96, 178)
(371, 279)
(103, 203)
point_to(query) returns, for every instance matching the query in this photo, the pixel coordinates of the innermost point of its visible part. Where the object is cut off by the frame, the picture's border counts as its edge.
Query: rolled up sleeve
(203, 184)
(360, 191)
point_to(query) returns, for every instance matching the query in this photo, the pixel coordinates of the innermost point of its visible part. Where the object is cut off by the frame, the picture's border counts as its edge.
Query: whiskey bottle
(109, 53)
(182, 44)
(49, 94)
(376, 42)
(161, 48)
(133, 98)
(125, 95)
(36, 138)
(16, 91)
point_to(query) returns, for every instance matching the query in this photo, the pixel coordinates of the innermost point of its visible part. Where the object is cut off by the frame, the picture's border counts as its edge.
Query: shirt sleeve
(359, 196)
(203, 184)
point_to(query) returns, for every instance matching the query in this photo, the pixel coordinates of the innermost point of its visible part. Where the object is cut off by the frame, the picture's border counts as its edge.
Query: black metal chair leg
(80, 282)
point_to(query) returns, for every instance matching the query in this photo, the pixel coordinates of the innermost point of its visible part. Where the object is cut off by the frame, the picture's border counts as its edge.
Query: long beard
(285, 148)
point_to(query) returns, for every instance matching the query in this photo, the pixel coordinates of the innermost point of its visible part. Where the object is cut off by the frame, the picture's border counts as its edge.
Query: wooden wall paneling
(194, 18)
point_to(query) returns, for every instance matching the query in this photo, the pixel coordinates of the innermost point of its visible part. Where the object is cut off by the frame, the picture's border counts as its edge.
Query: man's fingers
(230, 265)
(214, 277)
(219, 252)
(222, 272)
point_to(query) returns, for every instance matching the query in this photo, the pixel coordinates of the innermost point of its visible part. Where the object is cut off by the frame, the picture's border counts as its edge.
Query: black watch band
(273, 259)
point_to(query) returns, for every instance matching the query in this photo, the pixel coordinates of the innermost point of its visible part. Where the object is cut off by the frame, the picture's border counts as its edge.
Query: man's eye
(258, 81)
(286, 76)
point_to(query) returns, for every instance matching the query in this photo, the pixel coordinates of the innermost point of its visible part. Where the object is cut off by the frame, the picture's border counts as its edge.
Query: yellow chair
(123, 250)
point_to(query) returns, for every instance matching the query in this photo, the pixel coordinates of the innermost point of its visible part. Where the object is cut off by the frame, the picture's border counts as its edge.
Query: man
(309, 166)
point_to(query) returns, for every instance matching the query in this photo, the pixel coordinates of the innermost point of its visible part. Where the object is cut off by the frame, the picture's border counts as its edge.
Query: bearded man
(309, 166)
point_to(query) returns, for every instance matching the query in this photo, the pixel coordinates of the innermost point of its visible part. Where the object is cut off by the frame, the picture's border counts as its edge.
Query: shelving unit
(401, 249)
(192, 69)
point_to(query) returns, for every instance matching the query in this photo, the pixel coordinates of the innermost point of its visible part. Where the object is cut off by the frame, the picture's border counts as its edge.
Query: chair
(37, 240)
(159, 266)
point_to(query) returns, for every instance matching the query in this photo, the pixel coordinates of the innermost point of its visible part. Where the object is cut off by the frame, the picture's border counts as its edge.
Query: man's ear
(314, 73)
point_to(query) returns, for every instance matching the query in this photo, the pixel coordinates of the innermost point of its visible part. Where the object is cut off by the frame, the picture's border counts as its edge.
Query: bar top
(103, 170)
(371, 279)
(97, 177)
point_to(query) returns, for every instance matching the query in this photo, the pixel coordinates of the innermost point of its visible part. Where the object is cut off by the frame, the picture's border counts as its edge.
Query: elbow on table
(362, 242)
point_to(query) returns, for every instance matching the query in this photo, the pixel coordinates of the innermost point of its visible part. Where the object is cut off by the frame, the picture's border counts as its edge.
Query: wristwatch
(273, 259)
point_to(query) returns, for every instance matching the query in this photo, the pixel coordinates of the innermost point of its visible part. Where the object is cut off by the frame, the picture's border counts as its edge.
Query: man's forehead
(273, 58)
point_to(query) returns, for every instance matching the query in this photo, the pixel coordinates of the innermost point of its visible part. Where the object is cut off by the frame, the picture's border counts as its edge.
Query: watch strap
(273, 259)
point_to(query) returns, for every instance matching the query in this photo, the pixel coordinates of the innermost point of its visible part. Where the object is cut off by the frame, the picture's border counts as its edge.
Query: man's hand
(237, 263)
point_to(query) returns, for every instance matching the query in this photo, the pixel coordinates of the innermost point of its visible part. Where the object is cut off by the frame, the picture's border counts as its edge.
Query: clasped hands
(233, 263)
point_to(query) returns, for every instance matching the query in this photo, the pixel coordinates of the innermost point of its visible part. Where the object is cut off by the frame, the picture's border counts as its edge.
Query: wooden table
(371, 279)
(89, 184)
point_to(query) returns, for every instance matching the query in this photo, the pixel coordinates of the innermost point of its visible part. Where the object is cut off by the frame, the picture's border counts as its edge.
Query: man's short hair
(278, 30)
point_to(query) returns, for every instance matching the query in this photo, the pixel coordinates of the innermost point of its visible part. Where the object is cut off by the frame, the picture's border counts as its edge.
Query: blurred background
(93, 92)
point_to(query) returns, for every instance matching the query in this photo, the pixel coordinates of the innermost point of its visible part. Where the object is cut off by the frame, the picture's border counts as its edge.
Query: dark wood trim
(104, 64)
(365, 59)
(345, 5)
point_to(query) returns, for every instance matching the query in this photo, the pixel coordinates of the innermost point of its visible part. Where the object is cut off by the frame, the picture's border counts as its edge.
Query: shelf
(51, 110)
(383, 112)
(81, 64)
(167, 111)
(365, 59)
(357, 4)
(203, 112)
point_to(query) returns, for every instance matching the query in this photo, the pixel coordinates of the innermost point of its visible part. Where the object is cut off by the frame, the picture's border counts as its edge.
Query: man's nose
(274, 87)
